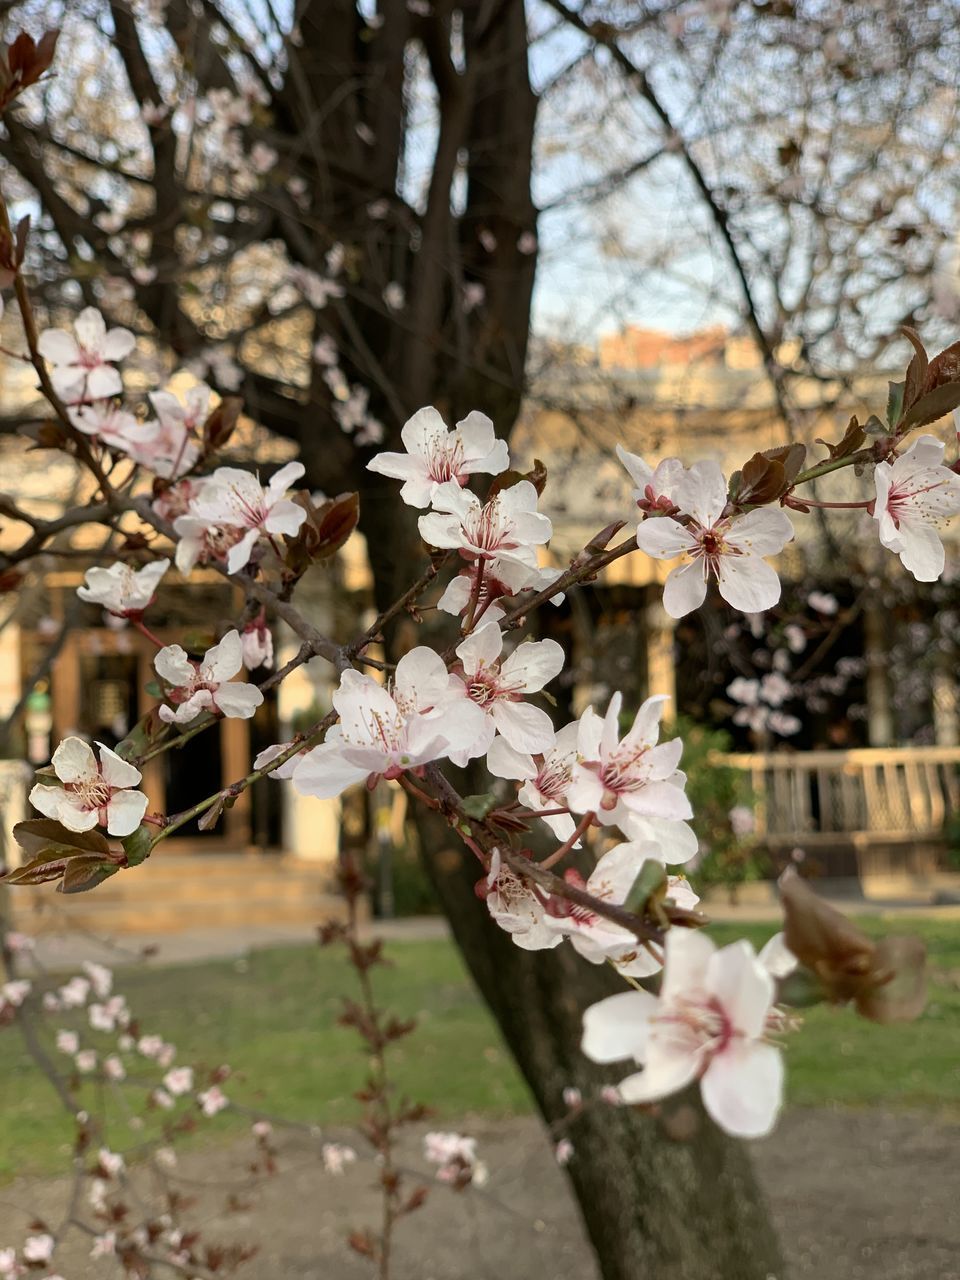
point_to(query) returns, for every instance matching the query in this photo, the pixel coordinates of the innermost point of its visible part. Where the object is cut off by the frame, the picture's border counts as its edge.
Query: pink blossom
(916, 495)
(81, 363)
(508, 527)
(206, 685)
(121, 590)
(93, 792)
(435, 454)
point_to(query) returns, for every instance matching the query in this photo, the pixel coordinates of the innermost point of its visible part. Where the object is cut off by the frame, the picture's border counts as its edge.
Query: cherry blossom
(517, 908)
(212, 1100)
(916, 495)
(384, 731)
(726, 547)
(282, 771)
(598, 939)
(508, 527)
(497, 687)
(94, 793)
(81, 363)
(207, 685)
(38, 1248)
(336, 1156)
(236, 499)
(121, 590)
(633, 783)
(435, 454)
(172, 449)
(257, 642)
(546, 776)
(110, 423)
(709, 1024)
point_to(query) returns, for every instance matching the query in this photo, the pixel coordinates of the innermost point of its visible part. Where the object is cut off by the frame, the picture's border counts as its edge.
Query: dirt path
(857, 1196)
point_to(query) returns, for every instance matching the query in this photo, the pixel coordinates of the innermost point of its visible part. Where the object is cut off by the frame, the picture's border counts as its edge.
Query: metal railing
(871, 793)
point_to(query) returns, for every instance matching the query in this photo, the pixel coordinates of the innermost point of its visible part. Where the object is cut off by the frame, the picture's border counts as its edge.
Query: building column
(661, 669)
(310, 827)
(880, 727)
(946, 707)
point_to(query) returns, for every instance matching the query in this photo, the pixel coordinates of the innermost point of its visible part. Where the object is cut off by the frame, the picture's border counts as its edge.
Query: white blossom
(94, 793)
(708, 1024)
(435, 454)
(121, 590)
(206, 685)
(508, 527)
(546, 775)
(916, 495)
(729, 548)
(236, 499)
(81, 363)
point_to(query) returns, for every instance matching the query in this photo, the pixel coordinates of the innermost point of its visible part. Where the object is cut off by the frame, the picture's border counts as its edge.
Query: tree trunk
(662, 1198)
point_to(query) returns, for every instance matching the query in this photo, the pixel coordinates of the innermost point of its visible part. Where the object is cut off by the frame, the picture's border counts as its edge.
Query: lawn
(273, 1019)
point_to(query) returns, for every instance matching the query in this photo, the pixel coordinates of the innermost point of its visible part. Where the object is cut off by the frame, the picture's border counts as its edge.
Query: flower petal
(743, 1089)
(618, 1027)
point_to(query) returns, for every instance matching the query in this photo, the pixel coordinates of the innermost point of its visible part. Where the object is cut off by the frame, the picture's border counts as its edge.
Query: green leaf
(145, 734)
(651, 882)
(139, 845)
(895, 403)
(479, 806)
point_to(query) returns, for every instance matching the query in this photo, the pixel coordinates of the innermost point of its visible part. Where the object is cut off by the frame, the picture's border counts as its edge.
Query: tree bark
(665, 1197)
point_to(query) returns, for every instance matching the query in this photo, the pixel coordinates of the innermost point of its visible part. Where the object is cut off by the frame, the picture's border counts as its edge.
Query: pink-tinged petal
(926, 451)
(440, 531)
(618, 1027)
(58, 347)
(589, 735)
(398, 466)
(103, 381)
(240, 553)
(658, 800)
(463, 730)
(921, 551)
(481, 648)
(669, 1069)
(285, 517)
(777, 958)
(685, 589)
(125, 812)
(504, 762)
(639, 471)
(449, 497)
(687, 956)
(172, 664)
(49, 800)
(74, 817)
(90, 329)
(324, 773)
(585, 792)
(74, 760)
(284, 479)
(117, 344)
(702, 493)
(422, 678)
(748, 583)
(116, 771)
(742, 986)
(419, 432)
(663, 538)
(224, 660)
(610, 735)
(536, 663)
(764, 532)
(646, 723)
(237, 699)
(743, 1089)
(200, 701)
(478, 439)
(360, 701)
(526, 728)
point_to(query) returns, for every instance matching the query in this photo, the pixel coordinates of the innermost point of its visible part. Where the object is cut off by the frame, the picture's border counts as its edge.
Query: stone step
(152, 915)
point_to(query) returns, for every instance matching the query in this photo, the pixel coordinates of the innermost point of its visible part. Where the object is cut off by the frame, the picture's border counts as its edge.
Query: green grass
(273, 1018)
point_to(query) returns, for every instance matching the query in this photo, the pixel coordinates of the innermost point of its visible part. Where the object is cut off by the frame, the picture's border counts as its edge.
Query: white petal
(921, 551)
(536, 663)
(743, 987)
(663, 538)
(777, 958)
(58, 346)
(640, 473)
(702, 493)
(422, 678)
(172, 664)
(117, 344)
(748, 583)
(74, 760)
(764, 532)
(90, 329)
(504, 762)
(48, 800)
(685, 589)
(687, 956)
(285, 517)
(618, 1027)
(422, 429)
(324, 773)
(237, 699)
(224, 659)
(240, 553)
(743, 1089)
(116, 771)
(526, 728)
(669, 1069)
(125, 811)
(481, 648)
